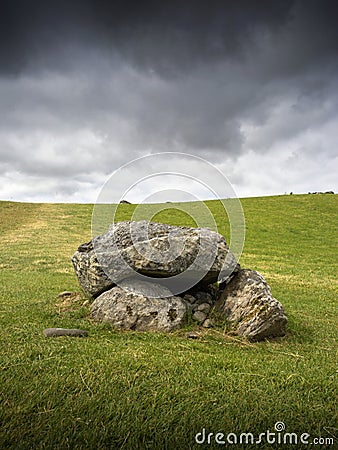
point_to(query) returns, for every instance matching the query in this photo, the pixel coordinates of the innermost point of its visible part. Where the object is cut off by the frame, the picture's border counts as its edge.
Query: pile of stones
(149, 276)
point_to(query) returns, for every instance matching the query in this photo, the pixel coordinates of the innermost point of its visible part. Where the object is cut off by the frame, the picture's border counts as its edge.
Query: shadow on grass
(298, 332)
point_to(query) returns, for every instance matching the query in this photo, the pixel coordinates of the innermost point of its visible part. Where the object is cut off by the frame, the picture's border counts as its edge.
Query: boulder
(246, 302)
(181, 256)
(139, 305)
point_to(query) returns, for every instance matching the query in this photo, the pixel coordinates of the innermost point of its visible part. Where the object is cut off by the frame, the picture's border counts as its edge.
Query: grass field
(148, 390)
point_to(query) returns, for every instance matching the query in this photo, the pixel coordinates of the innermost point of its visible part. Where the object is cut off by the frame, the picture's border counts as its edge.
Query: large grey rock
(180, 256)
(155, 309)
(248, 304)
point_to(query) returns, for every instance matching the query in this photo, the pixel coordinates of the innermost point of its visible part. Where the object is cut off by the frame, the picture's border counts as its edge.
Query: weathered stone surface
(145, 288)
(155, 250)
(90, 274)
(248, 304)
(56, 332)
(125, 307)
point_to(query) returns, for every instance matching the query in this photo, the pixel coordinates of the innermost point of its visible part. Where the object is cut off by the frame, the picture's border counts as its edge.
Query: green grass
(149, 390)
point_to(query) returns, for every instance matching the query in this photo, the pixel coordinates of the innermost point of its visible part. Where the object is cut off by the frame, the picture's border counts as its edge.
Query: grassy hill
(149, 390)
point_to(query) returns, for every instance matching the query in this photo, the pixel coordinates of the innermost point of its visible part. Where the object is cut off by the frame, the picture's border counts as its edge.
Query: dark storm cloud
(169, 37)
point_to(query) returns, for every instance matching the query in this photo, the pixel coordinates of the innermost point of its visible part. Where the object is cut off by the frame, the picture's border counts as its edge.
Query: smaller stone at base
(199, 316)
(56, 332)
(205, 307)
(208, 323)
(189, 298)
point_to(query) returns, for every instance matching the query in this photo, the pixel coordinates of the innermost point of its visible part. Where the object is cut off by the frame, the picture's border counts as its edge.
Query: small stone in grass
(192, 335)
(208, 323)
(56, 332)
(199, 316)
(66, 294)
(205, 307)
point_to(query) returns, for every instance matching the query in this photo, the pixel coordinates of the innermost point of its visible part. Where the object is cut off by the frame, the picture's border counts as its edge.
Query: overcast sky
(86, 86)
